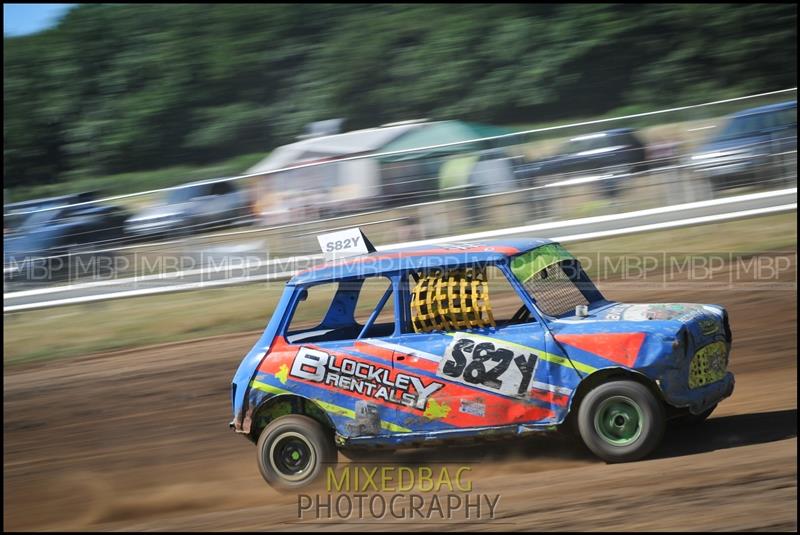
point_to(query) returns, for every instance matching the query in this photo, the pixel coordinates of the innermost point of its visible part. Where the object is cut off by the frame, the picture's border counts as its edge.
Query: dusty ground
(138, 440)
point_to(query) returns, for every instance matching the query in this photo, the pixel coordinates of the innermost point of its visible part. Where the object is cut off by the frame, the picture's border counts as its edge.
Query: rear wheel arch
(284, 405)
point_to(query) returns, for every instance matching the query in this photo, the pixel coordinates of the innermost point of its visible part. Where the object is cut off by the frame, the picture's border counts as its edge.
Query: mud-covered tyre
(294, 451)
(621, 421)
(688, 419)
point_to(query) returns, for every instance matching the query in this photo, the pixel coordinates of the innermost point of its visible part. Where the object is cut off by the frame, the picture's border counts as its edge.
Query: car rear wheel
(621, 421)
(293, 452)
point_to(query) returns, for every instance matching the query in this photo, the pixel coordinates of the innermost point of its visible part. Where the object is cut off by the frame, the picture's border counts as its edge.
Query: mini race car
(468, 342)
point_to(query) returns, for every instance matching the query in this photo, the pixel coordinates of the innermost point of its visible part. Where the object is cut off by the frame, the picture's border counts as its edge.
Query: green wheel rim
(292, 455)
(618, 420)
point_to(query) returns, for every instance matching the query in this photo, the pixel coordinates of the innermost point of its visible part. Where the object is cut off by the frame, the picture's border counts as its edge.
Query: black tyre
(293, 452)
(689, 419)
(621, 421)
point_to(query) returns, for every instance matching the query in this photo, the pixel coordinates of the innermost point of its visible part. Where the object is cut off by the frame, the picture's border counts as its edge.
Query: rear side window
(312, 307)
(369, 297)
(340, 310)
(457, 299)
(450, 300)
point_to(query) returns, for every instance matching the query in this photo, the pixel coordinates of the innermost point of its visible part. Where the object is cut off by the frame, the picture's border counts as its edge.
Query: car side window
(461, 298)
(340, 310)
(789, 117)
(369, 298)
(630, 139)
(507, 306)
(783, 118)
(221, 188)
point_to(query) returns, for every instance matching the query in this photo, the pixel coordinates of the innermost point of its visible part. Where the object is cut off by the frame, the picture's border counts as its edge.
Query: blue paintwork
(247, 368)
(658, 360)
(385, 262)
(672, 333)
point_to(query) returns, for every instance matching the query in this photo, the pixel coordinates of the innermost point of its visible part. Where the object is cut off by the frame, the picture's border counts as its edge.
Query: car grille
(708, 365)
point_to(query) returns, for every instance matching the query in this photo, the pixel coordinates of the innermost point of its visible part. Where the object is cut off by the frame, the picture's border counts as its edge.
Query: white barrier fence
(660, 218)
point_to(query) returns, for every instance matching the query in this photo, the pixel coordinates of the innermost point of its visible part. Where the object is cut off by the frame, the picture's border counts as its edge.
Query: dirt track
(139, 440)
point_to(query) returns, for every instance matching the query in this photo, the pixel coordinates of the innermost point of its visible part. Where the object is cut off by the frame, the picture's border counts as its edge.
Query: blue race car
(469, 342)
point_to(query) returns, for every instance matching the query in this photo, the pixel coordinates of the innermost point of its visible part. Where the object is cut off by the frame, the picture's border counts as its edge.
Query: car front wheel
(294, 451)
(621, 421)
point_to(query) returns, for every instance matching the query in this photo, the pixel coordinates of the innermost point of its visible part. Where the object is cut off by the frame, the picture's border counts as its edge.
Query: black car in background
(14, 214)
(60, 241)
(602, 155)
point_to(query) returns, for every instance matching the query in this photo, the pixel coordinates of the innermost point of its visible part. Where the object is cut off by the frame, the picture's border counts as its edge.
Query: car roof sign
(344, 244)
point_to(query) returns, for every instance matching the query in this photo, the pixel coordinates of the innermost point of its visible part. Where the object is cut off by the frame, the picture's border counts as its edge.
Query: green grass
(127, 323)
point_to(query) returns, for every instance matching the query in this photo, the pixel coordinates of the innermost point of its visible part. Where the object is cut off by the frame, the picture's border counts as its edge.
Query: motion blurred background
(184, 157)
(116, 89)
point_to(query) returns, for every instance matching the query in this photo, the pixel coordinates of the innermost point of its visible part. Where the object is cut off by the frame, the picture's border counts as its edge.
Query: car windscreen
(584, 144)
(39, 219)
(554, 279)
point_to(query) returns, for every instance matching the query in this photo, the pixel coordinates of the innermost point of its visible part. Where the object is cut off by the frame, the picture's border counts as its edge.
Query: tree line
(116, 88)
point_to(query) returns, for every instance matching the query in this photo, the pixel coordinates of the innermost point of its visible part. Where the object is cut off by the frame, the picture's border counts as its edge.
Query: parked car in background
(613, 152)
(192, 207)
(750, 148)
(60, 241)
(14, 214)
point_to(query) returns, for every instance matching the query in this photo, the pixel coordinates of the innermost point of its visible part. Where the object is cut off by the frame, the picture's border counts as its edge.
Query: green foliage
(122, 88)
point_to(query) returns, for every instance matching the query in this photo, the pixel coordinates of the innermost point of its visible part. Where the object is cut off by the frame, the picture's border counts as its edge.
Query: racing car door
(478, 339)
(338, 354)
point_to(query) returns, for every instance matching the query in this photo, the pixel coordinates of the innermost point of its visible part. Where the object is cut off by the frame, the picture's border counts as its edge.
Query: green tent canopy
(439, 133)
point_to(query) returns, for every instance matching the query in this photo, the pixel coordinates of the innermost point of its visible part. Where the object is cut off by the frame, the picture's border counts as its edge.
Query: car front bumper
(699, 399)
